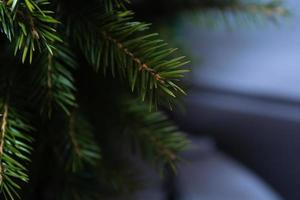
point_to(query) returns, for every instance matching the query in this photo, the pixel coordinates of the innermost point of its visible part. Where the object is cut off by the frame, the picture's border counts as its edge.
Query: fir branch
(142, 66)
(14, 151)
(28, 26)
(2, 137)
(15, 138)
(156, 137)
(55, 80)
(114, 42)
(79, 145)
(6, 20)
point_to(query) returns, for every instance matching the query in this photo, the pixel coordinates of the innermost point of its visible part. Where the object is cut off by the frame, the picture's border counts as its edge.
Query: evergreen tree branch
(142, 66)
(15, 134)
(28, 26)
(6, 20)
(79, 146)
(2, 136)
(55, 79)
(156, 137)
(114, 42)
(14, 151)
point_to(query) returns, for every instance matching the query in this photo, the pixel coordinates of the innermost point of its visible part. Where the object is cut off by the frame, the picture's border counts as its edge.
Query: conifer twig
(142, 66)
(2, 138)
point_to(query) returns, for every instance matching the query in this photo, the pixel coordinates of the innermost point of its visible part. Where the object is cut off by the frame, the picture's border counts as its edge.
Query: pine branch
(157, 138)
(15, 132)
(79, 146)
(55, 80)
(114, 42)
(6, 20)
(28, 26)
(2, 136)
(14, 151)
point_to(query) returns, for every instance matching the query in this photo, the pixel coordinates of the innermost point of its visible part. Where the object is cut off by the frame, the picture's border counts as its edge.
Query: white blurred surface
(214, 176)
(264, 60)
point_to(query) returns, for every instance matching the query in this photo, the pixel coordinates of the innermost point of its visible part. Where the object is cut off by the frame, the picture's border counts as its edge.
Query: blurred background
(242, 112)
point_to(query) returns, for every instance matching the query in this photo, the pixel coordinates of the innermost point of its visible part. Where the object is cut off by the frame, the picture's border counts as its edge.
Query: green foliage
(55, 80)
(28, 26)
(79, 146)
(15, 150)
(6, 21)
(15, 133)
(114, 42)
(156, 138)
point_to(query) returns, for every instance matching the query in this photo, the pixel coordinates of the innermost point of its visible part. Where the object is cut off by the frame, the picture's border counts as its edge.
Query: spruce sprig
(28, 26)
(117, 44)
(54, 81)
(15, 150)
(156, 138)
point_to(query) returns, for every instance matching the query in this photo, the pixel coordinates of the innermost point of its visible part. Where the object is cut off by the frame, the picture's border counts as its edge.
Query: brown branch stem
(142, 66)
(2, 138)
